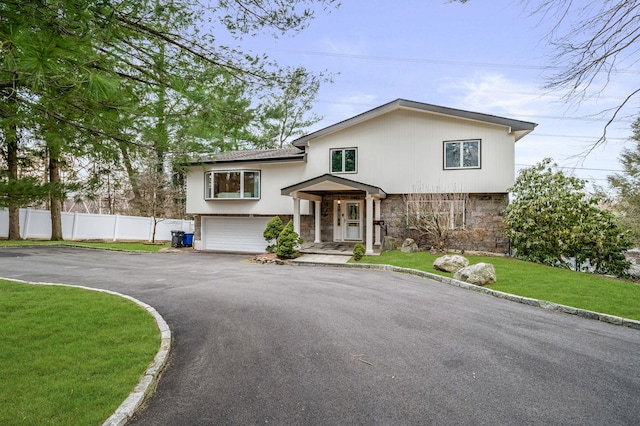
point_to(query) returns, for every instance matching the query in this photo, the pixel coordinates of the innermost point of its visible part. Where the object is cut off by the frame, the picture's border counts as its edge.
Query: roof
(254, 155)
(329, 182)
(518, 127)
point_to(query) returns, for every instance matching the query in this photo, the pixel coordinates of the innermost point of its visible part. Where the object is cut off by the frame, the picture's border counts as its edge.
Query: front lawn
(69, 356)
(580, 290)
(124, 246)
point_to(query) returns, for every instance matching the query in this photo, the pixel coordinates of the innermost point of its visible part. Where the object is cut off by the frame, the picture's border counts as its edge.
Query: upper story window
(462, 154)
(344, 160)
(232, 184)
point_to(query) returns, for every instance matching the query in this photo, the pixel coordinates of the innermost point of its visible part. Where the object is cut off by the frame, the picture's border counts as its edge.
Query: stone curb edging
(550, 306)
(135, 399)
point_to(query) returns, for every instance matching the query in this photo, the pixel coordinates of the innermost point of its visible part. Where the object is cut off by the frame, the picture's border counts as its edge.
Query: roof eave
(289, 159)
(519, 134)
(513, 125)
(354, 185)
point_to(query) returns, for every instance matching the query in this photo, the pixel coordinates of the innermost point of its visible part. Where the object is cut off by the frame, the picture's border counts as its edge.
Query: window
(236, 184)
(344, 160)
(462, 154)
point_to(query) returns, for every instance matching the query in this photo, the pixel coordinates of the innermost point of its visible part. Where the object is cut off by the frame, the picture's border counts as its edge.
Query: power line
(575, 168)
(546, 135)
(522, 116)
(428, 61)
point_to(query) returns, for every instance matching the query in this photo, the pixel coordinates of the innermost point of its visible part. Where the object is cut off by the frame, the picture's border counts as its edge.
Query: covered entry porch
(343, 210)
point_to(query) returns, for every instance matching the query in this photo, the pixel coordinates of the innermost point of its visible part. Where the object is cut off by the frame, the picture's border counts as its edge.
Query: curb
(549, 306)
(145, 386)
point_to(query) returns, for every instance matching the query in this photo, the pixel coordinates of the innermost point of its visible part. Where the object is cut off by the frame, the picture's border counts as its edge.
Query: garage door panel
(242, 234)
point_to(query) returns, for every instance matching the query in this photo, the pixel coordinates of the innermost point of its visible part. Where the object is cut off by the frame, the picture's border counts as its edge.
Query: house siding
(399, 151)
(403, 149)
(273, 177)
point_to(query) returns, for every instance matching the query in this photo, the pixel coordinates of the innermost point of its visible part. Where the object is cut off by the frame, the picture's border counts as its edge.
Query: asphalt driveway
(285, 345)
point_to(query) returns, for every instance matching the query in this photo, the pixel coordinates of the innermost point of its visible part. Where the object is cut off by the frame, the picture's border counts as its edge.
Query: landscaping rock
(478, 274)
(269, 258)
(450, 263)
(409, 246)
(634, 271)
(388, 244)
(633, 256)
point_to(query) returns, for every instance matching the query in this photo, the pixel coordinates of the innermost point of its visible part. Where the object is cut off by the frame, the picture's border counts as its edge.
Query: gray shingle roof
(266, 155)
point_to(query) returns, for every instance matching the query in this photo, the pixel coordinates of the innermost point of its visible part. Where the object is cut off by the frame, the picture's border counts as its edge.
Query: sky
(491, 57)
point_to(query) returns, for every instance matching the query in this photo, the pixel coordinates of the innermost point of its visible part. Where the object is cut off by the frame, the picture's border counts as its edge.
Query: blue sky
(490, 57)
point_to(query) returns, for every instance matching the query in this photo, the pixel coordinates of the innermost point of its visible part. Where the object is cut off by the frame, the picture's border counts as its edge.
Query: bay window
(232, 184)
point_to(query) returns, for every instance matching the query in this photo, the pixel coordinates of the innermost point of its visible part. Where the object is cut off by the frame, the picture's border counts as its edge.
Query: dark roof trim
(518, 127)
(254, 156)
(374, 190)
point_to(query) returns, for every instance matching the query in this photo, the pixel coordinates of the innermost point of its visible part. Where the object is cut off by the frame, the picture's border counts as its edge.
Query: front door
(347, 220)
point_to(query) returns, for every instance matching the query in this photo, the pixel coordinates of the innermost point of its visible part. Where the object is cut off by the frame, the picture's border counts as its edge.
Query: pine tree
(272, 232)
(288, 241)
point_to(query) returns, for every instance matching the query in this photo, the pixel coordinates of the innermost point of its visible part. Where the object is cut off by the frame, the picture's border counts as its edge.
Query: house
(349, 181)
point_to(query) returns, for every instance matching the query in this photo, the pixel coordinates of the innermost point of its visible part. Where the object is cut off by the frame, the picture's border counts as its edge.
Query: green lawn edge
(584, 291)
(104, 245)
(70, 355)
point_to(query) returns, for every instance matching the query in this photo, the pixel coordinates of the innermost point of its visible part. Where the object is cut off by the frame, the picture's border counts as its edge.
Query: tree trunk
(55, 191)
(12, 163)
(132, 174)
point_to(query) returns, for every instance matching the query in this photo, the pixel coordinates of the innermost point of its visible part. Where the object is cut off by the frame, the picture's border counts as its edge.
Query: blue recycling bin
(187, 239)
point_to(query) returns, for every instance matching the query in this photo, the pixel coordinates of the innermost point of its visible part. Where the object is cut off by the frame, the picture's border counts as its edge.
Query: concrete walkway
(322, 258)
(339, 248)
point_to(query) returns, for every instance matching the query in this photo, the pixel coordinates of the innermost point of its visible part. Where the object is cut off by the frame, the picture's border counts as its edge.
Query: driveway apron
(309, 345)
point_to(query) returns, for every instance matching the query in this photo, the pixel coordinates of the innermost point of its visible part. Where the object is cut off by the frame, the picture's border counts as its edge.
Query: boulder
(478, 274)
(450, 263)
(633, 256)
(634, 271)
(388, 244)
(409, 246)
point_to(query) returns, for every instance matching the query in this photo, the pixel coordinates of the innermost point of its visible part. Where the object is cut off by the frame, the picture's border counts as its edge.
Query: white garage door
(242, 234)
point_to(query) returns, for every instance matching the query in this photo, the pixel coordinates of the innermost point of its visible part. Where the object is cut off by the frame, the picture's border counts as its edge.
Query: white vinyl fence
(84, 226)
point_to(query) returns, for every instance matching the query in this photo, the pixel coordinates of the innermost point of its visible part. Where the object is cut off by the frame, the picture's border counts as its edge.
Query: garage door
(243, 234)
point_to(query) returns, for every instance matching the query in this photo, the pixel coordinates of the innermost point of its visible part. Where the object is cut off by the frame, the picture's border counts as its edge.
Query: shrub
(271, 233)
(288, 240)
(358, 252)
(552, 221)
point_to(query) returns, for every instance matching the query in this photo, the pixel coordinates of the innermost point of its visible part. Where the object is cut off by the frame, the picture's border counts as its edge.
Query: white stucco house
(337, 183)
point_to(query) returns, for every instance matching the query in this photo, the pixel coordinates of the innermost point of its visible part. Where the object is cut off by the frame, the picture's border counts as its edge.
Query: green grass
(580, 290)
(69, 356)
(126, 246)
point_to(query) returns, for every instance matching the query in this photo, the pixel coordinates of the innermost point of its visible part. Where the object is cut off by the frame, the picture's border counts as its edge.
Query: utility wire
(428, 61)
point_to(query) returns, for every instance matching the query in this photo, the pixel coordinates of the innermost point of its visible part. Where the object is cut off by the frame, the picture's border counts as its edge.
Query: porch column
(317, 205)
(377, 217)
(369, 209)
(296, 215)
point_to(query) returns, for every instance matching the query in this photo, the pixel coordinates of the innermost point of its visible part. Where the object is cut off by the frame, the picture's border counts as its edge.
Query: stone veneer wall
(483, 231)
(483, 226)
(485, 215)
(197, 227)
